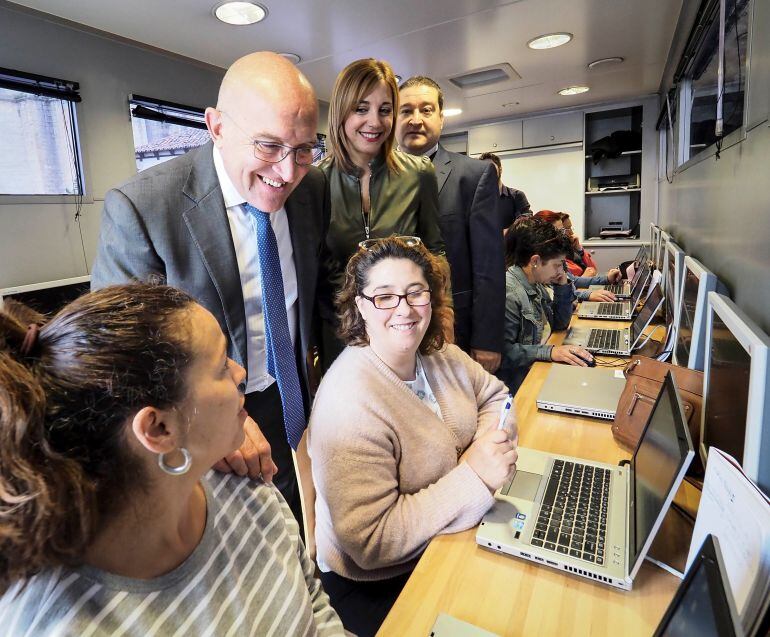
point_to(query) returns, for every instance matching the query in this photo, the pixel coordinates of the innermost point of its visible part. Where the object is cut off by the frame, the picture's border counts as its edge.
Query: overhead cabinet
(495, 138)
(535, 132)
(552, 129)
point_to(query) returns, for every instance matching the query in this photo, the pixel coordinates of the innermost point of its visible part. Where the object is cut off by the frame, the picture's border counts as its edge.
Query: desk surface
(510, 596)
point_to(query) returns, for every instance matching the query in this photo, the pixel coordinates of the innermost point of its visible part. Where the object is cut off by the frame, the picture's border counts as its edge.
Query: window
(38, 126)
(163, 130)
(712, 109)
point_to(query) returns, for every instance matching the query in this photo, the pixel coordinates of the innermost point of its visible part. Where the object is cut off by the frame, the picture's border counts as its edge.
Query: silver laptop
(448, 626)
(586, 391)
(617, 311)
(617, 341)
(623, 289)
(593, 519)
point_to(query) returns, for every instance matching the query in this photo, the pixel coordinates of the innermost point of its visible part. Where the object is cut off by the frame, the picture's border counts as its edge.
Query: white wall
(551, 178)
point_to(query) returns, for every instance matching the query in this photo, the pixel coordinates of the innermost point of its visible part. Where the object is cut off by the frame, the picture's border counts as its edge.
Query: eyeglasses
(417, 298)
(410, 242)
(274, 153)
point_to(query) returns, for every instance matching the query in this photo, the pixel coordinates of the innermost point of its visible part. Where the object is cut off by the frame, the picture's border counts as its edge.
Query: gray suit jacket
(468, 215)
(171, 220)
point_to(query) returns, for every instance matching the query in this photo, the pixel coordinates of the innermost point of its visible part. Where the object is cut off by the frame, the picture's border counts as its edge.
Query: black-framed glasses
(368, 244)
(274, 153)
(416, 298)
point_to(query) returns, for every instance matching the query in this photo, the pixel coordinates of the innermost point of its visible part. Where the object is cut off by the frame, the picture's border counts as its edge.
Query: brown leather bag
(644, 379)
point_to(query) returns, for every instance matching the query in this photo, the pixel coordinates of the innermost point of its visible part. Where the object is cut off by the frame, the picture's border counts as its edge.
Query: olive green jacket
(403, 203)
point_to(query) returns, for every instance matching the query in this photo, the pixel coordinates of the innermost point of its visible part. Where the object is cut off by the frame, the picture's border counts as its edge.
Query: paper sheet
(738, 513)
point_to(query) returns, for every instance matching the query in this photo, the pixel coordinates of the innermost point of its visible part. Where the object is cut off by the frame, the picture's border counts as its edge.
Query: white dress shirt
(244, 232)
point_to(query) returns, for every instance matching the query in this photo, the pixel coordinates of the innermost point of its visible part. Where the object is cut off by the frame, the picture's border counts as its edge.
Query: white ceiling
(438, 38)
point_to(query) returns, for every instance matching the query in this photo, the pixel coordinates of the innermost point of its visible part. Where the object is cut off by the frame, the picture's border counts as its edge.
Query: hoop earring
(176, 471)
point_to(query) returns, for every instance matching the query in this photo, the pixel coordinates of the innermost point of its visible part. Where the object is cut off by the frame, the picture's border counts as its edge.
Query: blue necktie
(281, 361)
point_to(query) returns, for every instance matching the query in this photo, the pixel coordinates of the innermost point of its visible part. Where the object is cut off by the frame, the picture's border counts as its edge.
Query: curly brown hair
(65, 466)
(352, 329)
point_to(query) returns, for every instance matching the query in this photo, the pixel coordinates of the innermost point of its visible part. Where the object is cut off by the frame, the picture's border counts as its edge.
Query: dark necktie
(281, 362)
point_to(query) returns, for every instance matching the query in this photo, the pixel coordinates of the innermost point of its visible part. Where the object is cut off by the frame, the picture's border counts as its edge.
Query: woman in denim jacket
(535, 253)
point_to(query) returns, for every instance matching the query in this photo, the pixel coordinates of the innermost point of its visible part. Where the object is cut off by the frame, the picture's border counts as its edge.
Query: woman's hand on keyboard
(602, 295)
(572, 355)
(492, 456)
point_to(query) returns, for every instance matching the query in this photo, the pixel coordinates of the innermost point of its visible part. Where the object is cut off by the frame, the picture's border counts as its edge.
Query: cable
(649, 336)
(665, 567)
(70, 133)
(612, 363)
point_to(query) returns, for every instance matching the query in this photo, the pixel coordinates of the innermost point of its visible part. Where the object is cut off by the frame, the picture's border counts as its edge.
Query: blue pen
(504, 411)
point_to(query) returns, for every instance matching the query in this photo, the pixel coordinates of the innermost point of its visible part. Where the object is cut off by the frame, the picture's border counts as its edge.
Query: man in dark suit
(196, 220)
(469, 224)
(512, 203)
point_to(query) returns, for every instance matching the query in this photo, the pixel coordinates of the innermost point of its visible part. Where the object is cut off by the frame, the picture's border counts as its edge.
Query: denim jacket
(523, 329)
(583, 282)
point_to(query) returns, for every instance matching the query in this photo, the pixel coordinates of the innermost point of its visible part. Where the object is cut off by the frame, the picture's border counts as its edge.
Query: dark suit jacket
(467, 201)
(171, 220)
(512, 205)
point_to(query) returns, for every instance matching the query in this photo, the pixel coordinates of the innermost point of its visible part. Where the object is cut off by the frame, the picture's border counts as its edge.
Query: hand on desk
(253, 458)
(572, 355)
(602, 295)
(493, 457)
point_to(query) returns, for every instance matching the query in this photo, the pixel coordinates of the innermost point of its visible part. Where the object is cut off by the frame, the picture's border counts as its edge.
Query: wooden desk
(510, 596)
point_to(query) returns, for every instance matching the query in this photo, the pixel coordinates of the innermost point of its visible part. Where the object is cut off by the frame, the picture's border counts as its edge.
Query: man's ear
(213, 119)
(155, 430)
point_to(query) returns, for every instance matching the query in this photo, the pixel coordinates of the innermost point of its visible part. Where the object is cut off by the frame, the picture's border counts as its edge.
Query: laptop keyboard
(573, 515)
(615, 288)
(604, 339)
(613, 309)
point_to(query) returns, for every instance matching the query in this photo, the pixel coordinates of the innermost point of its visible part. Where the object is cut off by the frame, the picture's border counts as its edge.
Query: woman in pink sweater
(403, 434)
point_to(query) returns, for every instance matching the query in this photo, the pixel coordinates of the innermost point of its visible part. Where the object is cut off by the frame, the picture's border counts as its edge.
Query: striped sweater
(249, 575)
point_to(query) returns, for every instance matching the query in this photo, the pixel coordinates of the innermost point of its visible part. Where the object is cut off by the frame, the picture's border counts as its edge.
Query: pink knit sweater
(386, 467)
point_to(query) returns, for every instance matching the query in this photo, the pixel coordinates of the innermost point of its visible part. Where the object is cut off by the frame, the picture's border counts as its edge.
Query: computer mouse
(591, 363)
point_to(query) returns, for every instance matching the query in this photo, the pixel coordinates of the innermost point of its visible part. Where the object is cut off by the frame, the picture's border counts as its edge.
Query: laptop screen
(725, 404)
(702, 605)
(654, 299)
(662, 451)
(687, 317)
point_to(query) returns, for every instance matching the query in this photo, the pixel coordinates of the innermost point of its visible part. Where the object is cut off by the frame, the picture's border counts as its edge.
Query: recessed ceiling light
(603, 61)
(549, 40)
(240, 13)
(292, 57)
(451, 112)
(573, 90)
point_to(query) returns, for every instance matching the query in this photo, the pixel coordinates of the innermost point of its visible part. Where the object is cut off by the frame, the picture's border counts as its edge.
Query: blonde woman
(376, 191)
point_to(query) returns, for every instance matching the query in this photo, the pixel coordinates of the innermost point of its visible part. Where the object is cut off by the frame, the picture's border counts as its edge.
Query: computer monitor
(673, 266)
(654, 242)
(703, 604)
(736, 396)
(49, 297)
(697, 282)
(663, 239)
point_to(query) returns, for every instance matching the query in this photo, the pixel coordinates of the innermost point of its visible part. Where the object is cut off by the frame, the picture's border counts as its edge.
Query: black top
(512, 205)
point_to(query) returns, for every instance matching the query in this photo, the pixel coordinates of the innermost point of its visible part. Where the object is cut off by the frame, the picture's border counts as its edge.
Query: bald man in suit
(192, 221)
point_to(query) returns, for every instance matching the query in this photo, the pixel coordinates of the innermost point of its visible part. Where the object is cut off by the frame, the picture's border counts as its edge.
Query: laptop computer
(703, 604)
(617, 341)
(623, 289)
(592, 391)
(617, 311)
(593, 519)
